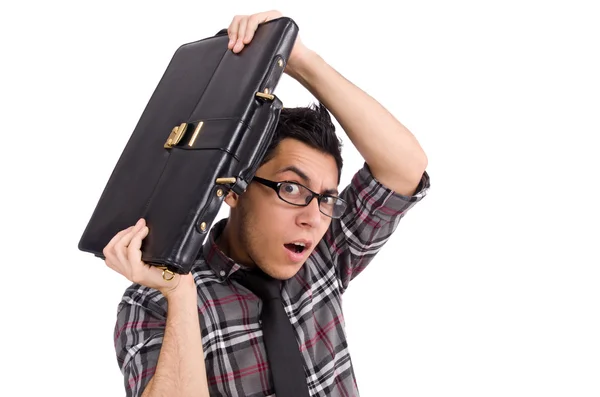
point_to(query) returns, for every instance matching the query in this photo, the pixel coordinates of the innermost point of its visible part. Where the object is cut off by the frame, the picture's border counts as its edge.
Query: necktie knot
(263, 285)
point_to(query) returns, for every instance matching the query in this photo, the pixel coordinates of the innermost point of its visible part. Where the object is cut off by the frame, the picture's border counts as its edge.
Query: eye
(290, 189)
(328, 200)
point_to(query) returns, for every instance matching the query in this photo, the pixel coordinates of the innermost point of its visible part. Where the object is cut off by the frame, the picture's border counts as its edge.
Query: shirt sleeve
(138, 336)
(373, 214)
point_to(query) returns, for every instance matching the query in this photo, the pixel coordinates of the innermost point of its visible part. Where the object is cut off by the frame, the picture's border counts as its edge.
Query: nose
(310, 215)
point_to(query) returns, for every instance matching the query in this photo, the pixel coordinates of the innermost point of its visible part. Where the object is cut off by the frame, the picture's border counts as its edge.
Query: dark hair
(311, 125)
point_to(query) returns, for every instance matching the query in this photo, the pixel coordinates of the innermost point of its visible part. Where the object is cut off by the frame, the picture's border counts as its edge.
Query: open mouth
(296, 248)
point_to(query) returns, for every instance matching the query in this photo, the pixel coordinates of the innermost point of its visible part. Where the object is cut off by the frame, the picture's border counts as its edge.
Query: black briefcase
(203, 132)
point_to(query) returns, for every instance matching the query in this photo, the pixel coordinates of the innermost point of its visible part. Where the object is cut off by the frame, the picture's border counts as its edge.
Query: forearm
(394, 156)
(180, 370)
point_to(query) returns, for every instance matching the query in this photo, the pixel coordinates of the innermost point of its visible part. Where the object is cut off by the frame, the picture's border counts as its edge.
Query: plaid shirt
(232, 339)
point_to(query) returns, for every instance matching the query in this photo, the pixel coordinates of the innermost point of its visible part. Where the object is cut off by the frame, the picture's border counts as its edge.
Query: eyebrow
(305, 178)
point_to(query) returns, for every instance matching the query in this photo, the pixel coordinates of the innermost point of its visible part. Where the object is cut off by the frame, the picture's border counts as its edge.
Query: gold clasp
(165, 270)
(265, 95)
(225, 180)
(175, 135)
(196, 132)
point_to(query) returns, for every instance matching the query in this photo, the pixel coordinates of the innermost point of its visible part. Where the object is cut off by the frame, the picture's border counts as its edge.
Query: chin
(284, 272)
(285, 265)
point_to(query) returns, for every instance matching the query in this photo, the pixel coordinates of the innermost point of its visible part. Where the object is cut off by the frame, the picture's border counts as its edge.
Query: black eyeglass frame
(277, 185)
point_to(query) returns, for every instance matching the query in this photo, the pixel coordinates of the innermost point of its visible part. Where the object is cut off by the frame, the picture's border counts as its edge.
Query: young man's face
(264, 227)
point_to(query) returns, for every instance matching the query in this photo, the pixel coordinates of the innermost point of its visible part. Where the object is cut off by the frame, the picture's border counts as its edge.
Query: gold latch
(175, 135)
(225, 180)
(238, 185)
(265, 95)
(196, 132)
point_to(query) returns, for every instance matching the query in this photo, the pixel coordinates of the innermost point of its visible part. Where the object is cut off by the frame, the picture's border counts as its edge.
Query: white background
(491, 285)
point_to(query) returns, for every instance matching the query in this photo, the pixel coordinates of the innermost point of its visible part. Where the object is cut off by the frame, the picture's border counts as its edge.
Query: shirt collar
(222, 265)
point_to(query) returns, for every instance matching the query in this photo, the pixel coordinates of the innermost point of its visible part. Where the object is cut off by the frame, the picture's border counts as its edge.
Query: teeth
(300, 244)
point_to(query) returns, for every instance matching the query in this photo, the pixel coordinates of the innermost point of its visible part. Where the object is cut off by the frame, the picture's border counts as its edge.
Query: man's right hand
(123, 255)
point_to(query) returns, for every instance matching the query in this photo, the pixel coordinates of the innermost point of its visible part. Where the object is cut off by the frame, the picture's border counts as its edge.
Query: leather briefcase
(203, 132)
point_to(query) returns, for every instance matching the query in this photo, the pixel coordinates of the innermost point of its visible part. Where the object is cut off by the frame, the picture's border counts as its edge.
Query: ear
(232, 199)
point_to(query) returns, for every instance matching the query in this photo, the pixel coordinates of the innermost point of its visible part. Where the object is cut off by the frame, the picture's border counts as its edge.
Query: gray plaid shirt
(229, 313)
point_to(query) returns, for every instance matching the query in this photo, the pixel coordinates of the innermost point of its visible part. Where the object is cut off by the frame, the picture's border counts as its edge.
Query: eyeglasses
(299, 195)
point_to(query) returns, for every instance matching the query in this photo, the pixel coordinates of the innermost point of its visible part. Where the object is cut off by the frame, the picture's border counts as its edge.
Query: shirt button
(222, 273)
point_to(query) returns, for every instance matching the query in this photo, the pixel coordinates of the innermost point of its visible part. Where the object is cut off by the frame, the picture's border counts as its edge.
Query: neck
(230, 244)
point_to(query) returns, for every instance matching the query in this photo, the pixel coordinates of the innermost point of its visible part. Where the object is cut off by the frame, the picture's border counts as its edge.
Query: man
(290, 224)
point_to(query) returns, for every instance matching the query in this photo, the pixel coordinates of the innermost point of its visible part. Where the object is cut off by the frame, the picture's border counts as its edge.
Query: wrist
(300, 63)
(184, 289)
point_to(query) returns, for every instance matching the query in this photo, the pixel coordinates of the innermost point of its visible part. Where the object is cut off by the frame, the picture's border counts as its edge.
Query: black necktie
(283, 353)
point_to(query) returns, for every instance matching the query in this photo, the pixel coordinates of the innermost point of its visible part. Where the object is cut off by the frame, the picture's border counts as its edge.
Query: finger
(233, 29)
(109, 251)
(126, 238)
(239, 44)
(253, 23)
(256, 20)
(138, 272)
(116, 238)
(120, 248)
(121, 262)
(134, 253)
(123, 232)
(267, 16)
